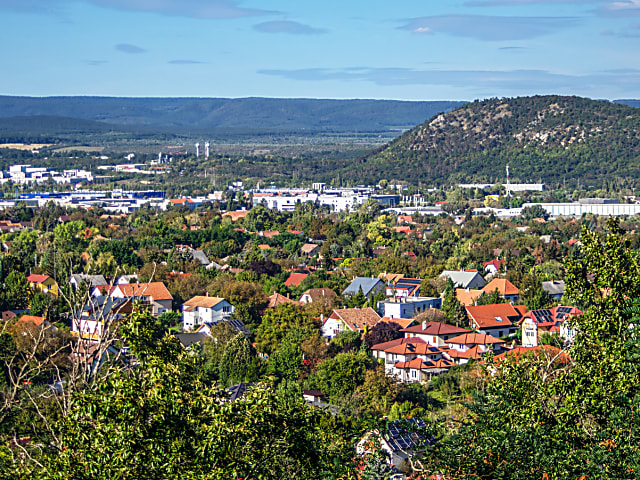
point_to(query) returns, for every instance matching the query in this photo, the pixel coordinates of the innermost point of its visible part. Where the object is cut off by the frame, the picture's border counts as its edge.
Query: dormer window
(499, 319)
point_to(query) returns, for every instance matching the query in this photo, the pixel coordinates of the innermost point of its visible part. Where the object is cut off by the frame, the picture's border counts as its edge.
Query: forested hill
(240, 114)
(547, 138)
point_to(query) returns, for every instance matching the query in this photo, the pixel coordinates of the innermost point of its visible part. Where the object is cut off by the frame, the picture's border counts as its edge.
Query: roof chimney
(424, 325)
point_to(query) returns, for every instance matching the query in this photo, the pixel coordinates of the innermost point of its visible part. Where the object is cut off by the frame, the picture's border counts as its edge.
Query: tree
(492, 298)
(236, 361)
(339, 376)
(18, 291)
(556, 414)
(452, 309)
(383, 332)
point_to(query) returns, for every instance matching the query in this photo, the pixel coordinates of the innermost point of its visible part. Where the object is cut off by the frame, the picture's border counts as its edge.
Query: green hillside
(544, 138)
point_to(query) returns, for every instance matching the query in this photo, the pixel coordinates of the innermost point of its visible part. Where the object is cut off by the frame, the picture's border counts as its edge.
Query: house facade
(201, 310)
(353, 319)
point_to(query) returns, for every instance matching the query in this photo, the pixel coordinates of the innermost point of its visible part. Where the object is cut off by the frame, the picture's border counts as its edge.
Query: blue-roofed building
(369, 286)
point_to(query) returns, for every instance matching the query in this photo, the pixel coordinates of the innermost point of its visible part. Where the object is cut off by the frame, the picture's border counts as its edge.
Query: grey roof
(100, 307)
(554, 287)
(91, 280)
(188, 339)
(365, 283)
(200, 256)
(462, 279)
(239, 390)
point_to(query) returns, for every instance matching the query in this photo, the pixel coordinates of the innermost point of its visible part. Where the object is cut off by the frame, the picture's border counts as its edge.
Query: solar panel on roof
(564, 310)
(542, 315)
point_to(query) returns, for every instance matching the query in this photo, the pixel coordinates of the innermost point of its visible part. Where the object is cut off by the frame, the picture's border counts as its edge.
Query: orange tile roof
(357, 318)
(264, 246)
(547, 350)
(415, 348)
(236, 215)
(36, 278)
(474, 338)
(295, 279)
(202, 301)
(419, 364)
(468, 297)
(393, 343)
(32, 318)
(504, 287)
(435, 328)
(270, 233)
(403, 322)
(308, 248)
(277, 299)
(155, 290)
(486, 316)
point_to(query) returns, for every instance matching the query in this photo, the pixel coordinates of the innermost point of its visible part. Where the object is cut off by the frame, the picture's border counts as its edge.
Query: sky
(403, 49)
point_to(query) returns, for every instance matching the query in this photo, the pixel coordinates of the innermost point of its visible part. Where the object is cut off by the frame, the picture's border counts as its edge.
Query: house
(463, 279)
(188, 339)
(126, 279)
(505, 288)
(89, 322)
(353, 319)
(494, 266)
(403, 287)
(204, 309)
(551, 320)
(314, 397)
(408, 351)
(378, 350)
(472, 345)
(323, 296)
(309, 249)
(407, 307)
(434, 333)
(418, 370)
(236, 215)
(295, 279)
(468, 296)
(402, 440)
(90, 280)
(370, 287)
(152, 294)
(555, 288)
(238, 325)
(43, 284)
(498, 320)
(277, 299)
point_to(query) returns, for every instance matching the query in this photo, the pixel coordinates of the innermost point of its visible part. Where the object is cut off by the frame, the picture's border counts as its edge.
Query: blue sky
(409, 50)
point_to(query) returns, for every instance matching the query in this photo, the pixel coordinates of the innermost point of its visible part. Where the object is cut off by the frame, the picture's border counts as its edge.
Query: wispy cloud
(94, 63)
(185, 62)
(632, 31)
(620, 8)
(212, 9)
(489, 28)
(497, 82)
(513, 48)
(288, 26)
(128, 48)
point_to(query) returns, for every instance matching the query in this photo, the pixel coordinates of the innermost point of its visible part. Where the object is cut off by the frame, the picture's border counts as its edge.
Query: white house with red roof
(494, 266)
(434, 333)
(497, 320)
(472, 345)
(551, 320)
(418, 370)
(353, 319)
(153, 294)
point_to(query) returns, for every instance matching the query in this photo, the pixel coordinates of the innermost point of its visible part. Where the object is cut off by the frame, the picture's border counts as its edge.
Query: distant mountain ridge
(547, 138)
(252, 114)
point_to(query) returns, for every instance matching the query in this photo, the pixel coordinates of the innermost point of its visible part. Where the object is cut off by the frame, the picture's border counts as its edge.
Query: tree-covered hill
(239, 114)
(543, 138)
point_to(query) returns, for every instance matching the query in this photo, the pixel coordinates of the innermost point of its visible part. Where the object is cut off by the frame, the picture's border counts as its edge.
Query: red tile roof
(475, 339)
(468, 296)
(435, 328)
(504, 287)
(295, 279)
(32, 318)
(277, 299)
(35, 278)
(403, 322)
(547, 350)
(415, 348)
(394, 343)
(487, 316)
(155, 290)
